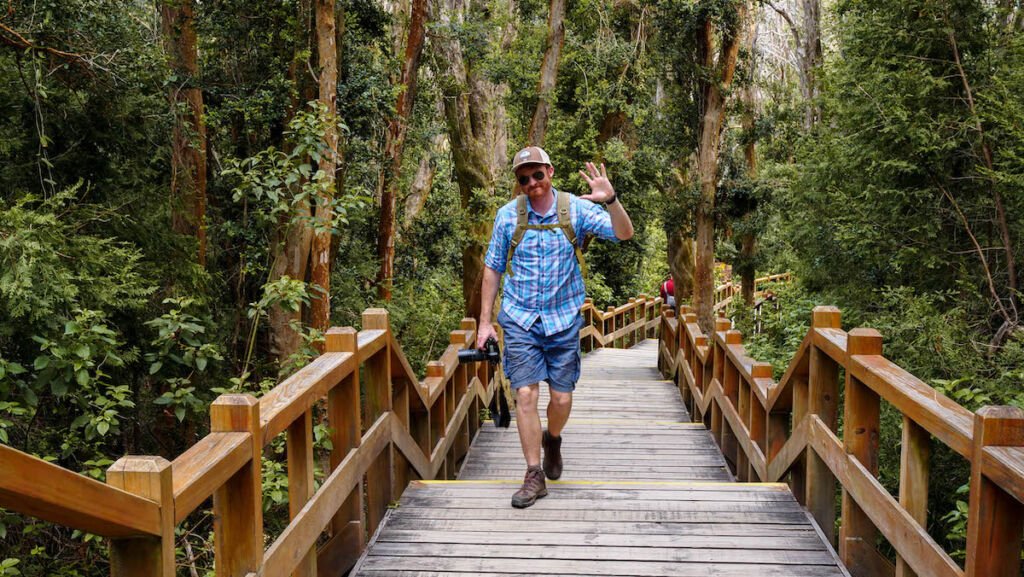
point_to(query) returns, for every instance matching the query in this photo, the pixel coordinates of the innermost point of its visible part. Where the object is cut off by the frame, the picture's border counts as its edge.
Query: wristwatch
(614, 199)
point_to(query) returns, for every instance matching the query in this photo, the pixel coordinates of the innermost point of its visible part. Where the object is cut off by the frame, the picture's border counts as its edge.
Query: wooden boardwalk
(644, 492)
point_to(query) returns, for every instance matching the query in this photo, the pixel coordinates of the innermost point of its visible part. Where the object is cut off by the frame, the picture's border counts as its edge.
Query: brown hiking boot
(533, 488)
(552, 456)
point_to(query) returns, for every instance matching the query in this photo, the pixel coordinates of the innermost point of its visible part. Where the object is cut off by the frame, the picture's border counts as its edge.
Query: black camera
(490, 353)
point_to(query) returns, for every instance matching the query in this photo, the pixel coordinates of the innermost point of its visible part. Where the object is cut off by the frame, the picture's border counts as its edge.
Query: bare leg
(559, 408)
(528, 422)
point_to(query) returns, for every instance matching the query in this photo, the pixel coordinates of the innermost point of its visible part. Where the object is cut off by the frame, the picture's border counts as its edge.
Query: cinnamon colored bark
(398, 129)
(748, 242)
(716, 83)
(188, 145)
(320, 275)
(548, 73)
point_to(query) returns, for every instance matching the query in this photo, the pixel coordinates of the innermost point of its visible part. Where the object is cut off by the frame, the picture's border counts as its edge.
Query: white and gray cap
(530, 155)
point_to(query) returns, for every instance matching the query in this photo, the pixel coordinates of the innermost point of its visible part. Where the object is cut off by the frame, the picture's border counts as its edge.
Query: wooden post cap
(468, 324)
(668, 312)
(999, 426)
(235, 413)
(761, 370)
(458, 338)
(376, 319)
(733, 337)
(722, 325)
(826, 317)
(690, 318)
(685, 309)
(861, 341)
(341, 340)
(435, 369)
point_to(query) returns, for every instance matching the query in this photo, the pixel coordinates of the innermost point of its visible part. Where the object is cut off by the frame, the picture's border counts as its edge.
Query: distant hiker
(668, 293)
(537, 239)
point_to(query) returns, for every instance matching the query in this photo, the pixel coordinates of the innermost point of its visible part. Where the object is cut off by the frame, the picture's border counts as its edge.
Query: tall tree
(188, 146)
(748, 239)
(717, 52)
(398, 128)
(293, 238)
(477, 130)
(320, 276)
(548, 72)
(808, 54)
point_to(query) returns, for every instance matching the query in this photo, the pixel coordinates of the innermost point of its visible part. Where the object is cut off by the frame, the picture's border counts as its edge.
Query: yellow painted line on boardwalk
(630, 422)
(584, 483)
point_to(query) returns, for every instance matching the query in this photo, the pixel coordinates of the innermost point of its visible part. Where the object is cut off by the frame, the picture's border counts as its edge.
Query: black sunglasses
(525, 179)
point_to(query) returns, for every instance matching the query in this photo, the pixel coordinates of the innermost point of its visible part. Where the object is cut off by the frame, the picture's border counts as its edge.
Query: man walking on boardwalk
(537, 240)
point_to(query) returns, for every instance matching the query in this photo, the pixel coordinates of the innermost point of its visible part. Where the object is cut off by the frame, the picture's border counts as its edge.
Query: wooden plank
(939, 415)
(287, 551)
(296, 394)
(31, 486)
(609, 553)
(912, 542)
(578, 567)
(681, 532)
(204, 467)
(507, 513)
(376, 403)
(781, 542)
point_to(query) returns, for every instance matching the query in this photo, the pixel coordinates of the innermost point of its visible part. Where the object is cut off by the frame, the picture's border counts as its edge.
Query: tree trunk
(810, 62)
(748, 240)
(320, 276)
(398, 128)
(548, 73)
(709, 142)
(681, 252)
(188, 146)
(423, 181)
(477, 132)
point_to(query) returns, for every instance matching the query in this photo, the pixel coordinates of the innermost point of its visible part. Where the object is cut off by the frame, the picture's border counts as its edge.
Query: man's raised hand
(600, 187)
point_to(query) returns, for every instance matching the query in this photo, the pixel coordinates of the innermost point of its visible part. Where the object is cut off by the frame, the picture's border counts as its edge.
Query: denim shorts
(531, 356)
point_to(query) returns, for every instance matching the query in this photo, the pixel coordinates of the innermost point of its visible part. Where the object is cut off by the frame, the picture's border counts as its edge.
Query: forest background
(183, 182)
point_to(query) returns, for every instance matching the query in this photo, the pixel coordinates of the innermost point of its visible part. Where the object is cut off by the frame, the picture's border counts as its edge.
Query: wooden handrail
(366, 380)
(34, 487)
(787, 430)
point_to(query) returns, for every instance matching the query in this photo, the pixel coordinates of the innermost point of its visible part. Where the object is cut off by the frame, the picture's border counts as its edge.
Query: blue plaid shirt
(547, 283)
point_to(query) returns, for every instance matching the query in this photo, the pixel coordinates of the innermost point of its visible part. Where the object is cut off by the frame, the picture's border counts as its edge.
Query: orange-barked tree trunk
(548, 73)
(398, 128)
(714, 84)
(188, 146)
(320, 274)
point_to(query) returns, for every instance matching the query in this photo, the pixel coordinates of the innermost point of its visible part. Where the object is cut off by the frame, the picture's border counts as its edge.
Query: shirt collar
(551, 211)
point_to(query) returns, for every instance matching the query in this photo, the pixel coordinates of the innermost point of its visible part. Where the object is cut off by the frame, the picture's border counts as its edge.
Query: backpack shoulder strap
(517, 235)
(565, 223)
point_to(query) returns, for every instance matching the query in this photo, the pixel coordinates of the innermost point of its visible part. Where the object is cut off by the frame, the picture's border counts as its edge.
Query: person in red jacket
(668, 293)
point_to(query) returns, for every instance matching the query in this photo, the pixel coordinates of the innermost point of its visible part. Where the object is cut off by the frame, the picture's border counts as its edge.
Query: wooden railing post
(915, 453)
(995, 518)
(822, 401)
(610, 318)
(377, 401)
(300, 479)
(344, 415)
(588, 321)
(148, 477)
(860, 437)
(238, 504)
(755, 417)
